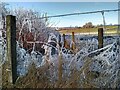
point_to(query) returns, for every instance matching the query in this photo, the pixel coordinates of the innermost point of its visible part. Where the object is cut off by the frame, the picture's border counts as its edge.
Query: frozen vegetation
(105, 61)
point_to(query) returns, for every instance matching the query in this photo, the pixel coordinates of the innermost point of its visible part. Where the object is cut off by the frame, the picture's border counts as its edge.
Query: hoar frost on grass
(104, 60)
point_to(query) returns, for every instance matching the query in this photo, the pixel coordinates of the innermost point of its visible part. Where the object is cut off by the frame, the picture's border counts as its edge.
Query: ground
(89, 30)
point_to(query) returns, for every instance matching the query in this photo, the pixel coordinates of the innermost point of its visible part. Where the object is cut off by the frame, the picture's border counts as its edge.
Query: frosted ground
(105, 60)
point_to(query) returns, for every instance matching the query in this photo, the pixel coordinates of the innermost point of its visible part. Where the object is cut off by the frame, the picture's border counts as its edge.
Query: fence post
(64, 40)
(60, 68)
(73, 41)
(11, 48)
(100, 37)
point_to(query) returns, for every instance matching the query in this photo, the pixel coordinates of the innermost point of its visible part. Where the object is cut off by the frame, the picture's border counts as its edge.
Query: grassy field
(90, 30)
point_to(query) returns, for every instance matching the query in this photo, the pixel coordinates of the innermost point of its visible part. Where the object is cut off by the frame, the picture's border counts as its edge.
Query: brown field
(89, 30)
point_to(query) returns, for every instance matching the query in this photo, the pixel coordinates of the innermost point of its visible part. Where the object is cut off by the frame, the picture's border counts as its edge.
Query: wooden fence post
(73, 41)
(100, 37)
(60, 69)
(64, 40)
(11, 48)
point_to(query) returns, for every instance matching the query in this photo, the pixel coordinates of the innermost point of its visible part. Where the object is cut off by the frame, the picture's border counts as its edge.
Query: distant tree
(110, 24)
(88, 25)
(101, 25)
(76, 26)
(98, 25)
